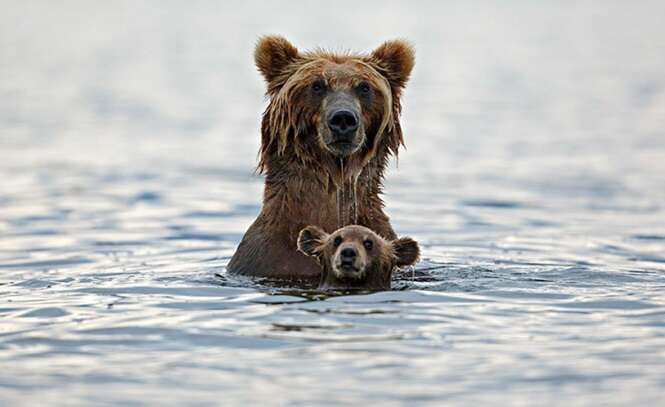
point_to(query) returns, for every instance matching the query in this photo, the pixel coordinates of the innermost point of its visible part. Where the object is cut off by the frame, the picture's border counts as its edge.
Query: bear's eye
(368, 244)
(337, 241)
(364, 88)
(318, 87)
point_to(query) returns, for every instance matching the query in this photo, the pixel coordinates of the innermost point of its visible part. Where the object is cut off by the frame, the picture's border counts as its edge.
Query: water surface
(533, 179)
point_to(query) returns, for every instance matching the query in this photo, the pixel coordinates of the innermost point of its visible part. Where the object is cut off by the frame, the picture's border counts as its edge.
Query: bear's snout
(343, 124)
(348, 256)
(349, 262)
(341, 128)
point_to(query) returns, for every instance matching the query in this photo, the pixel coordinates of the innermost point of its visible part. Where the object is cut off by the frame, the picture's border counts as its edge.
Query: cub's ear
(395, 60)
(406, 251)
(311, 239)
(272, 54)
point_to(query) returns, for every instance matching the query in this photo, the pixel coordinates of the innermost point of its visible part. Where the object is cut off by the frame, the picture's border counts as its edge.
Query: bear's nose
(343, 123)
(348, 254)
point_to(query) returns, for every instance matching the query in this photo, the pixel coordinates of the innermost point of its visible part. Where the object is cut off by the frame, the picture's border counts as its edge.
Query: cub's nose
(348, 254)
(343, 123)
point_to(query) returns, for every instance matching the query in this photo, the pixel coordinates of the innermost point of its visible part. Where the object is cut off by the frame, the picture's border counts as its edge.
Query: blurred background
(534, 178)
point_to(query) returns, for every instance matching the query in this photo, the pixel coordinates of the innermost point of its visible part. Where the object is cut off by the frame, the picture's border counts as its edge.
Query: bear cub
(354, 257)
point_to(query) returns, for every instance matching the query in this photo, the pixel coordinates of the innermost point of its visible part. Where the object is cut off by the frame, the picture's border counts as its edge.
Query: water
(350, 200)
(533, 179)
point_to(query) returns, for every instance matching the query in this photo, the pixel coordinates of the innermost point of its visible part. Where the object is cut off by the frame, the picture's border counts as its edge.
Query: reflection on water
(532, 179)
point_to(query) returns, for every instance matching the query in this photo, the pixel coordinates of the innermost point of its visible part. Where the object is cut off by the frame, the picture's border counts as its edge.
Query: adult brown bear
(326, 136)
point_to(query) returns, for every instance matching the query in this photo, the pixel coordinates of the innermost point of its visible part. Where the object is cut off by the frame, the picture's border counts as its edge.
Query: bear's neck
(296, 196)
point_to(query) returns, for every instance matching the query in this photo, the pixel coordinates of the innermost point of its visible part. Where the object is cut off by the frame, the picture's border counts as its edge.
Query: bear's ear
(395, 60)
(273, 54)
(310, 240)
(406, 251)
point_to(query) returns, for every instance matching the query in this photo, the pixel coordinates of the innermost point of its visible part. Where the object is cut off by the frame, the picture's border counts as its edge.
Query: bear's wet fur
(326, 136)
(356, 258)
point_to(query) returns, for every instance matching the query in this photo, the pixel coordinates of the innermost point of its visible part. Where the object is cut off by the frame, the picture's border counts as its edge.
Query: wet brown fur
(379, 260)
(302, 177)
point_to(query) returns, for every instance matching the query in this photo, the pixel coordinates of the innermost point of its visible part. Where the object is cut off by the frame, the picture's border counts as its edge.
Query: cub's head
(356, 257)
(328, 106)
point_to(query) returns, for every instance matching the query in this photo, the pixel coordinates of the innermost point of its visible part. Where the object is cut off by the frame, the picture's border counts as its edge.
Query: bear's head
(354, 257)
(328, 106)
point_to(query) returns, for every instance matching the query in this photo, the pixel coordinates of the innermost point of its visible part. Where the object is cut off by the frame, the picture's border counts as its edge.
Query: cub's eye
(368, 244)
(364, 88)
(337, 241)
(318, 87)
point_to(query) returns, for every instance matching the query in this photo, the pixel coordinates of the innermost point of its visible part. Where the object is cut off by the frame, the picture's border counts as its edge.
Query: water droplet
(354, 197)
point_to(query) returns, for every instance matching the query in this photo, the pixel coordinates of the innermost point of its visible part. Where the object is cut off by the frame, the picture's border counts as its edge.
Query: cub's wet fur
(354, 257)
